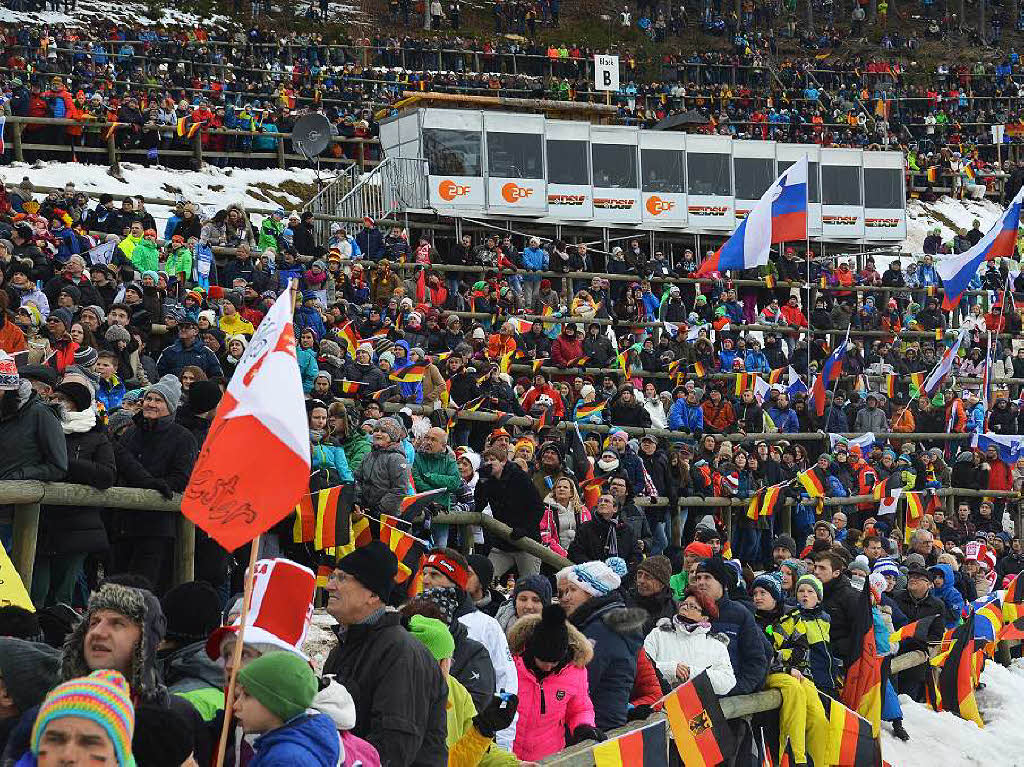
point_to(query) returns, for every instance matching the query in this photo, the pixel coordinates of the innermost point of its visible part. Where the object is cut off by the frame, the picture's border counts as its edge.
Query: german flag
(754, 506)
(412, 504)
(181, 126)
(408, 549)
(640, 748)
(537, 364)
(931, 290)
(727, 550)
(323, 572)
(866, 670)
(890, 385)
(673, 368)
(919, 630)
(360, 533)
(579, 362)
(939, 334)
(380, 394)
(915, 513)
(958, 673)
(932, 174)
(823, 282)
(304, 527)
(917, 381)
(850, 741)
(473, 405)
(347, 333)
(622, 361)
(409, 374)
(699, 728)
(590, 490)
(1013, 609)
(770, 500)
(775, 376)
(584, 410)
(193, 128)
(813, 481)
(698, 369)
(745, 381)
(333, 516)
(351, 387)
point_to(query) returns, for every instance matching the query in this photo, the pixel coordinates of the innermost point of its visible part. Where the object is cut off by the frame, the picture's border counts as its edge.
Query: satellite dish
(311, 135)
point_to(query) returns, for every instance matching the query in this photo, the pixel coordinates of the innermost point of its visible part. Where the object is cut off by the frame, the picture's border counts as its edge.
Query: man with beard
(651, 591)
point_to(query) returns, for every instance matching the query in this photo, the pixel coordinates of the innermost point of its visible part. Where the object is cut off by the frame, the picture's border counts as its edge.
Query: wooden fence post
(280, 153)
(19, 153)
(185, 551)
(26, 533)
(112, 148)
(197, 149)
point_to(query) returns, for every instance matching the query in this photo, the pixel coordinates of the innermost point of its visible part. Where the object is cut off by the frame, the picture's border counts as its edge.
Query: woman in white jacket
(683, 646)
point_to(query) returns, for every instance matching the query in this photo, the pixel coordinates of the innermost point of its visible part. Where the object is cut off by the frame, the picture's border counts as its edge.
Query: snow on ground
(942, 739)
(320, 640)
(121, 12)
(211, 189)
(923, 217)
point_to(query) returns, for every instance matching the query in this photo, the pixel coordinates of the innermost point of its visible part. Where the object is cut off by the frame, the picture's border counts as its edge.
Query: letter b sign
(606, 73)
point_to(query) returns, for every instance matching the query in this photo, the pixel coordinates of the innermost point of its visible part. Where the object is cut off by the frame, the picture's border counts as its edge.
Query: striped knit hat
(102, 697)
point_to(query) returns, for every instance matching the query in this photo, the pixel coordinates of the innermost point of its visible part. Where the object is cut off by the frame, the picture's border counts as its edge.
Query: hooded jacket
(615, 633)
(947, 592)
(306, 739)
(189, 673)
(558, 701)
(382, 480)
(671, 643)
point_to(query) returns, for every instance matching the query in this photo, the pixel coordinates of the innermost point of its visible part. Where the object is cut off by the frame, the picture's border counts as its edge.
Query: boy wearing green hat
(271, 699)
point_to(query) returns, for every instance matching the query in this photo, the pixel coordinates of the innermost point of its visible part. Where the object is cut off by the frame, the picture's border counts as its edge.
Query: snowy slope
(944, 740)
(945, 213)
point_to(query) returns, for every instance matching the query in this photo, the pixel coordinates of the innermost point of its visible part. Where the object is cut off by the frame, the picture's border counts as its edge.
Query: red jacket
(548, 389)
(564, 350)
(1000, 476)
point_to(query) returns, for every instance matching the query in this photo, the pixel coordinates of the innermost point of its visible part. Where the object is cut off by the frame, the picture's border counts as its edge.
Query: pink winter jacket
(547, 707)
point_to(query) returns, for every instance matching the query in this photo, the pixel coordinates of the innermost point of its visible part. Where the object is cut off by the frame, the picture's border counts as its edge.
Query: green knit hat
(814, 583)
(282, 682)
(434, 635)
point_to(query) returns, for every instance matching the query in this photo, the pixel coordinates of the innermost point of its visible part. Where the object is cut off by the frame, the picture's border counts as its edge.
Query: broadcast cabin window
(664, 170)
(840, 185)
(883, 188)
(709, 174)
(753, 176)
(813, 185)
(514, 155)
(567, 162)
(452, 152)
(614, 166)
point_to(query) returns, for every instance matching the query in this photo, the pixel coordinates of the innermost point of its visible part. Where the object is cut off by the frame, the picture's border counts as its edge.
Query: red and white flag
(254, 465)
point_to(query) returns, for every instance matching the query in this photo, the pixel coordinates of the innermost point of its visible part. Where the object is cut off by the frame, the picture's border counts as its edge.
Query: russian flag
(999, 242)
(779, 216)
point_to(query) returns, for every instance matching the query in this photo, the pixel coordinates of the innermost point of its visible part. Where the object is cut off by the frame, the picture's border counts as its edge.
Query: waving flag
(779, 216)
(260, 431)
(640, 748)
(796, 383)
(813, 481)
(830, 372)
(701, 733)
(942, 368)
(958, 671)
(999, 242)
(1011, 448)
(866, 670)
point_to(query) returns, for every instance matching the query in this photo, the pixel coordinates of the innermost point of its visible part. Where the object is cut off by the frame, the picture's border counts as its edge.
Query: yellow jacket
(466, 746)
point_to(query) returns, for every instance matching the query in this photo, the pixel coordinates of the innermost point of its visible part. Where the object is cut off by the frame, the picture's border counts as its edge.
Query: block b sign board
(606, 72)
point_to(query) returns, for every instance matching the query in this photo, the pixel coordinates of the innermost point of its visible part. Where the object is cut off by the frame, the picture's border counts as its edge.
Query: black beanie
(373, 565)
(193, 611)
(483, 568)
(550, 639)
(717, 569)
(203, 396)
(163, 737)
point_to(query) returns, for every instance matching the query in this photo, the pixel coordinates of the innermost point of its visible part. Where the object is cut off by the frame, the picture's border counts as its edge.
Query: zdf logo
(656, 206)
(449, 190)
(513, 193)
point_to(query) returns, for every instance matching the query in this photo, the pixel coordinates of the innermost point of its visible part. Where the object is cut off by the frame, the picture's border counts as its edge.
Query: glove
(162, 487)
(585, 732)
(497, 715)
(517, 533)
(639, 713)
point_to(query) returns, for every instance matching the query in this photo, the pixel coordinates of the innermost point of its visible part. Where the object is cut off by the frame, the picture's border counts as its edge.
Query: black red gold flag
(701, 732)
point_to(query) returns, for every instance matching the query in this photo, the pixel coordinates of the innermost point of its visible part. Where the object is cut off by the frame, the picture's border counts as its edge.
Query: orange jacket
(498, 346)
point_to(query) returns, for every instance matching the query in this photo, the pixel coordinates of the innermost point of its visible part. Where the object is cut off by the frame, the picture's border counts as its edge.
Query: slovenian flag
(830, 371)
(999, 242)
(1010, 448)
(941, 370)
(779, 216)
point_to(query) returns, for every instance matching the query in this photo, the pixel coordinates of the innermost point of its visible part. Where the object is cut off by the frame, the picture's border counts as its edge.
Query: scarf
(690, 626)
(78, 422)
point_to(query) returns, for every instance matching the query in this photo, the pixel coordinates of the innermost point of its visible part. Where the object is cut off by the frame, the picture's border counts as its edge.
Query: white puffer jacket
(670, 644)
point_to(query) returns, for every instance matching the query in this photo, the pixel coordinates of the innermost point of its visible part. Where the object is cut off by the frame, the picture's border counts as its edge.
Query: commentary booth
(574, 172)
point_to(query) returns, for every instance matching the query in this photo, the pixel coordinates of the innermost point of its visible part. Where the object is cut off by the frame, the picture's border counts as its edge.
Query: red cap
(699, 550)
(455, 572)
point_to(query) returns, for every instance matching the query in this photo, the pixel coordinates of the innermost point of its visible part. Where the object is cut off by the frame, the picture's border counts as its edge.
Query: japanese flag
(255, 462)
(888, 504)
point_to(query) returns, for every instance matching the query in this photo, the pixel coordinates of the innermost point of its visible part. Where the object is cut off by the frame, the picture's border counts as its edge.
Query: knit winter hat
(699, 550)
(717, 569)
(813, 582)
(86, 356)
(204, 396)
(168, 387)
(163, 737)
(859, 564)
(769, 583)
(482, 568)
(447, 600)
(786, 542)
(392, 428)
(886, 566)
(595, 578)
(658, 567)
(28, 670)
(117, 333)
(434, 635)
(102, 697)
(10, 380)
(373, 565)
(192, 610)
(96, 310)
(450, 568)
(549, 641)
(538, 584)
(64, 315)
(283, 682)
(797, 566)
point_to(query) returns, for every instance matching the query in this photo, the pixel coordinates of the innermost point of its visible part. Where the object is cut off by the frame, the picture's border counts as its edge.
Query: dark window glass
(567, 162)
(614, 165)
(753, 176)
(514, 155)
(813, 187)
(883, 188)
(664, 170)
(708, 174)
(840, 185)
(452, 152)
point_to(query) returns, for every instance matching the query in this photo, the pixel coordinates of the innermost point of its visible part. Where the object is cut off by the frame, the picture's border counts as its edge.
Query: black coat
(80, 530)
(150, 455)
(514, 500)
(591, 541)
(841, 602)
(471, 665)
(398, 689)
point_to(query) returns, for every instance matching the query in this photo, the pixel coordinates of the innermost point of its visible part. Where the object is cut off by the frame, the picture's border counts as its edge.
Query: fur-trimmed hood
(144, 609)
(522, 630)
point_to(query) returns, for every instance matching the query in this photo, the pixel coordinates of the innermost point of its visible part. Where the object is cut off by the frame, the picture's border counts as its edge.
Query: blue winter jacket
(331, 457)
(749, 648)
(413, 390)
(785, 420)
(307, 367)
(175, 357)
(535, 259)
(309, 317)
(952, 598)
(684, 416)
(756, 362)
(311, 741)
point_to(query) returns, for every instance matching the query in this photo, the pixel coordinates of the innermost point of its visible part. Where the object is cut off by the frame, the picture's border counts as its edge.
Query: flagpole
(236, 654)
(835, 386)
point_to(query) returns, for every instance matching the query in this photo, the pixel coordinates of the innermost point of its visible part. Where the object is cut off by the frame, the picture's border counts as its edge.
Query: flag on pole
(919, 630)
(412, 504)
(888, 503)
(348, 334)
(866, 670)
(646, 747)
(699, 727)
(915, 513)
(942, 368)
(813, 481)
(958, 672)
(850, 741)
(521, 325)
(830, 371)
(779, 216)
(585, 410)
(409, 374)
(260, 432)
